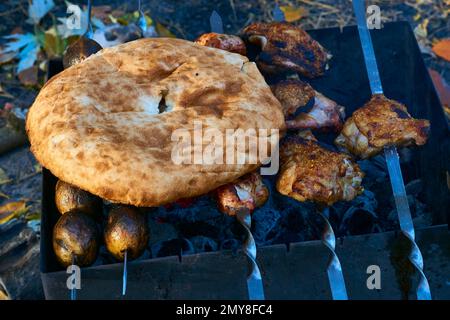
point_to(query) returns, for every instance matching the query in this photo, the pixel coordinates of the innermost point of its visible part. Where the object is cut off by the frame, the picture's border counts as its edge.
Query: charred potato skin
(126, 230)
(69, 197)
(76, 234)
(79, 51)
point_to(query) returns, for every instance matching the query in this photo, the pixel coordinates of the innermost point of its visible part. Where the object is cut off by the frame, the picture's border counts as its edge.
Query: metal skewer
(278, 15)
(73, 290)
(215, 22)
(125, 273)
(391, 155)
(334, 268)
(254, 280)
(89, 32)
(142, 22)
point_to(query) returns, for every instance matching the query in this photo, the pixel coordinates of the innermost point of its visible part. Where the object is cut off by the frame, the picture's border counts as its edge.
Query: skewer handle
(254, 279)
(334, 268)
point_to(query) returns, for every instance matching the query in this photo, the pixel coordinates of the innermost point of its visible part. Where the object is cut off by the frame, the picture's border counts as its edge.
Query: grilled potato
(69, 197)
(76, 235)
(126, 230)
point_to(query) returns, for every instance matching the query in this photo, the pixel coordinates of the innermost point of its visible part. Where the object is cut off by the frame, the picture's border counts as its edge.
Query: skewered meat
(226, 42)
(69, 197)
(296, 95)
(126, 230)
(325, 115)
(285, 47)
(75, 234)
(248, 191)
(379, 123)
(312, 172)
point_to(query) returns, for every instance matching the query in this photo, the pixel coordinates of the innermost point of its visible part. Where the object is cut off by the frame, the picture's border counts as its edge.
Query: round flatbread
(107, 124)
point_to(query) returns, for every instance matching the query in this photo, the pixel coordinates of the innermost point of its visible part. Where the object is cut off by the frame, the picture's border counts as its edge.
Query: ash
(199, 227)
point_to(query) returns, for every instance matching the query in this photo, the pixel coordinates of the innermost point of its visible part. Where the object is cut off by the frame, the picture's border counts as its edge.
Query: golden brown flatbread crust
(92, 124)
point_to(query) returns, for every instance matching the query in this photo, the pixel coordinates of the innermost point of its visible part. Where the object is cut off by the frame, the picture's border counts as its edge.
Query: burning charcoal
(230, 244)
(199, 228)
(357, 216)
(204, 209)
(414, 187)
(160, 231)
(173, 247)
(203, 244)
(358, 221)
(375, 170)
(266, 221)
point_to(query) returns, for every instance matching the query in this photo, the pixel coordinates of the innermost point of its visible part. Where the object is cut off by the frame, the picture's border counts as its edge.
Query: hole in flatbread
(162, 107)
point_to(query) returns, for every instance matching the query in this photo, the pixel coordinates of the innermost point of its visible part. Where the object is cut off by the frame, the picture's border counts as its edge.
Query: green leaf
(163, 31)
(53, 45)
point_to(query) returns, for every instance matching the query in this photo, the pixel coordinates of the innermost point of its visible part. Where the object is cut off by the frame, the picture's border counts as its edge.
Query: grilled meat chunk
(325, 115)
(296, 95)
(312, 172)
(226, 42)
(285, 47)
(379, 123)
(248, 192)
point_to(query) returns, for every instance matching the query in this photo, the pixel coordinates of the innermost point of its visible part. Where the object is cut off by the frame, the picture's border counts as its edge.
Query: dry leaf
(442, 88)
(12, 210)
(5, 94)
(3, 177)
(3, 295)
(4, 195)
(37, 167)
(442, 49)
(163, 31)
(102, 12)
(292, 14)
(29, 77)
(6, 57)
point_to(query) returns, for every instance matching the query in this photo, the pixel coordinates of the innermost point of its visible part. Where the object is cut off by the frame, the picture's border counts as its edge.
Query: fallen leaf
(31, 216)
(12, 210)
(53, 43)
(102, 12)
(4, 195)
(29, 77)
(442, 49)
(442, 87)
(6, 57)
(4, 94)
(292, 14)
(7, 108)
(443, 90)
(421, 31)
(3, 177)
(38, 9)
(37, 167)
(4, 296)
(163, 31)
